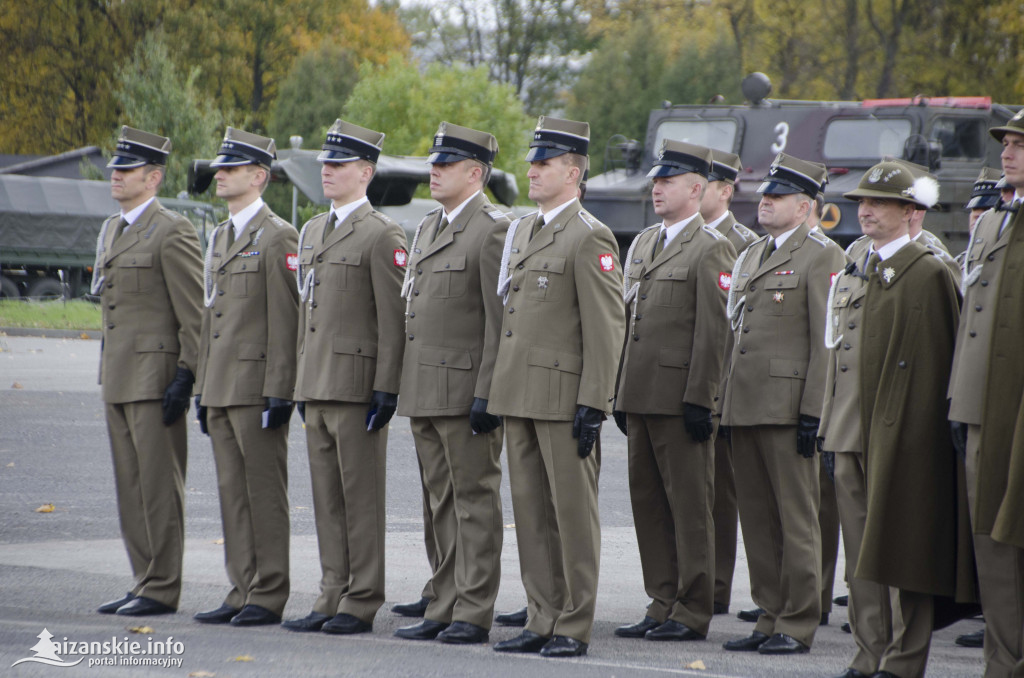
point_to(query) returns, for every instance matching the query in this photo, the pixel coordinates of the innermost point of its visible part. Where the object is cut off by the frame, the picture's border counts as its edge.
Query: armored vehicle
(949, 135)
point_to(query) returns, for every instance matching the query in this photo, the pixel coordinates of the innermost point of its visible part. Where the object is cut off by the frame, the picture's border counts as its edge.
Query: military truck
(948, 134)
(48, 231)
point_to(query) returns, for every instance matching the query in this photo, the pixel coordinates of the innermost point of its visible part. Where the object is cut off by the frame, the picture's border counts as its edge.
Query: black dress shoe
(527, 641)
(673, 630)
(976, 639)
(748, 644)
(780, 643)
(845, 627)
(750, 615)
(639, 629)
(824, 619)
(222, 615)
(563, 646)
(345, 624)
(141, 606)
(425, 630)
(111, 607)
(311, 622)
(517, 618)
(254, 615)
(851, 673)
(463, 633)
(841, 601)
(721, 608)
(417, 609)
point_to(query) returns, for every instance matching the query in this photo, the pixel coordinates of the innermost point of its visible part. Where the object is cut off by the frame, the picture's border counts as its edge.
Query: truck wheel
(46, 288)
(8, 290)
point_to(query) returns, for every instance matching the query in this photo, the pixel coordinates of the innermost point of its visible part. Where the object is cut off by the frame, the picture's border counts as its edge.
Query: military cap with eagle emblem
(347, 142)
(554, 137)
(679, 157)
(793, 175)
(453, 143)
(136, 148)
(245, 148)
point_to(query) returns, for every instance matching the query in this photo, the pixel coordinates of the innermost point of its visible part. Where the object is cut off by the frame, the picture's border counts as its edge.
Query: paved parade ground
(56, 567)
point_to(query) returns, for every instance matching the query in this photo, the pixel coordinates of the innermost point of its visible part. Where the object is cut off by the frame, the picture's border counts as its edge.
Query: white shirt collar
(345, 211)
(676, 228)
(889, 249)
(454, 214)
(134, 214)
(716, 222)
(550, 216)
(779, 241)
(241, 220)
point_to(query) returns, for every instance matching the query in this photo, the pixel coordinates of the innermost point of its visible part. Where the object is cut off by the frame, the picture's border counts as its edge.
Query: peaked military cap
(347, 142)
(724, 167)
(136, 148)
(893, 180)
(679, 157)
(986, 191)
(792, 175)
(244, 148)
(453, 143)
(1014, 124)
(554, 137)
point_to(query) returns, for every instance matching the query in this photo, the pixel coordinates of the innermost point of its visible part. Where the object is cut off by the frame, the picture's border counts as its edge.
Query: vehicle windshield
(865, 138)
(717, 134)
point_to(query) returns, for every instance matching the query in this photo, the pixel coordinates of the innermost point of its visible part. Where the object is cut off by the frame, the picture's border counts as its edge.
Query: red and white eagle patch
(401, 256)
(291, 261)
(725, 280)
(607, 262)
(832, 278)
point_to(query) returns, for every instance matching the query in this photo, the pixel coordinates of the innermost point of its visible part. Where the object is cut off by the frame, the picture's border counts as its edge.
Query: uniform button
(343, 258)
(902, 363)
(545, 265)
(647, 277)
(973, 333)
(415, 293)
(852, 325)
(750, 309)
(110, 286)
(312, 329)
(991, 257)
(686, 363)
(110, 326)
(359, 350)
(411, 337)
(636, 338)
(319, 260)
(412, 314)
(216, 335)
(856, 304)
(419, 271)
(978, 307)
(745, 330)
(314, 304)
(515, 288)
(639, 317)
(443, 362)
(842, 368)
(217, 314)
(753, 288)
(263, 355)
(223, 272)
(796, 373)
(984, 283)
(111, 307)
(643, 297)
(449, 266)
(508, 333)
(317, 281)
(556, 363)
(520, 267)
(846, 347)
(743, 351)
(220, 293)
(160, 346)
(511, 310)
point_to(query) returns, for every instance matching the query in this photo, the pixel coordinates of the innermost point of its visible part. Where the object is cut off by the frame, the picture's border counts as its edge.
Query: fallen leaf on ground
(219, 541)
(11, 465)
(510, 526)
(243, 658)
(139, 629)
(201, 674)
(697, 665)
(46, 508)
(83, 335)
(16, 385)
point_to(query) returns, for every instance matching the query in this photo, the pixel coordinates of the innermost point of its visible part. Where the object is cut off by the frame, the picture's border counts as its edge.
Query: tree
(408, 105)
(155, 96)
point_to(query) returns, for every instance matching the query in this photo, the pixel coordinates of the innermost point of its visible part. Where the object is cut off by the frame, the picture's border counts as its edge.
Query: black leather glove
(479, 420)
(201, 416)
(828, 459)
(301, 407)
(176, 396)
(958, 431)
(279, 411)
(620, 421)
(724, 432)
(806, 433)
(385, 405)
(697, 421)
(585, 428)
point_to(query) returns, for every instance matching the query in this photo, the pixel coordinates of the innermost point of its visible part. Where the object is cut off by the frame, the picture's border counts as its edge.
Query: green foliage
(155, 96)
(408, 105)
(313, 94)
(71, 315)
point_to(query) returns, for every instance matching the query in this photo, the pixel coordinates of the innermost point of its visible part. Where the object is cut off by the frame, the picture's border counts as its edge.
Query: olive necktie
(659, 245)
(332, 223)
(441, 226)
(769, 248)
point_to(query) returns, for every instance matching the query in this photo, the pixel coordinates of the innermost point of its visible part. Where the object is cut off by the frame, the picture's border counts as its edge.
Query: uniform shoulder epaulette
(278, 221)
(433, 211)
(938, 251)
(712, 232)
(494, 213)
(849, 248)
(744, 232)
(589, 219)
(819, 238)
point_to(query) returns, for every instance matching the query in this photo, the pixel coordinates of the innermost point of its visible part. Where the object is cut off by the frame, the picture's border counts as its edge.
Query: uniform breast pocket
(448, 276)
(784, 296)
(669, 285)
(245, 277)
(342, 270)
(136, 272)
(545, 278)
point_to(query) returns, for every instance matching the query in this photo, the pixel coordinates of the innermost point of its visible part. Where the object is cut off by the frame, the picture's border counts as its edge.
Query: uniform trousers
(1001, 580)
(672, 490)
(778, 495)
(149, 477)
(726, 517)
(347, 464)
(429, 541)
(462, 473)
(892, 627)
(252, 476)
(828, 523)
(554, 500)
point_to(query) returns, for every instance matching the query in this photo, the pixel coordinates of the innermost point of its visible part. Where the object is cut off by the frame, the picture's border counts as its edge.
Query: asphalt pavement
(56, 567)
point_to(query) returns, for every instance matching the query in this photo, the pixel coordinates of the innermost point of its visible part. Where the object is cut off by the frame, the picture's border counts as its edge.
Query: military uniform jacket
(859, 248)
(778, 312)
(741, 238)
(350, 320)
(563, 322)
(988, 374)
(151, 299)
(677, 326)
(247, 345)
(454, 316)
